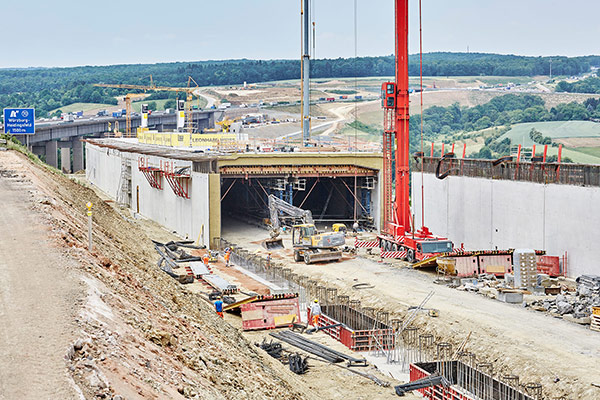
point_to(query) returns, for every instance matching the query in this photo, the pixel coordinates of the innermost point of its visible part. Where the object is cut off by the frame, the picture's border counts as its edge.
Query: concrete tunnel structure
(192, 193)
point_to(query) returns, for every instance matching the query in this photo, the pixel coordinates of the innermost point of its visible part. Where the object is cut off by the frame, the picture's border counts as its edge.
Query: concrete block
(472, 281)
(581, 321)
(510, 297)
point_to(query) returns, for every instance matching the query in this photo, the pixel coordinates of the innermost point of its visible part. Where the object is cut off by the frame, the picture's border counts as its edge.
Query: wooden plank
(239, 303)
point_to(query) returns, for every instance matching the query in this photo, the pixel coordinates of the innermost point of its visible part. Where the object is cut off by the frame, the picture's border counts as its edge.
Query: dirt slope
(137, 333)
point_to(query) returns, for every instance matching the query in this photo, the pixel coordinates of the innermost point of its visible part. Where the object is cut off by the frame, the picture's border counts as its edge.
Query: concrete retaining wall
(187, 217)
(489, 214)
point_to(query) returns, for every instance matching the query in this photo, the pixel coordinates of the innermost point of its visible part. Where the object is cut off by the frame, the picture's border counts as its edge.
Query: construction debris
(577, 305)
(298, 365)
(273, 349)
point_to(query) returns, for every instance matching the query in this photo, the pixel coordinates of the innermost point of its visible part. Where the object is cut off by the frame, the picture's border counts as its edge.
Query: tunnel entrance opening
(331, 200)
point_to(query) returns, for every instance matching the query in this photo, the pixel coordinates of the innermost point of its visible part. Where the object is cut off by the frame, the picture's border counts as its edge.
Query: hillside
(134, 331)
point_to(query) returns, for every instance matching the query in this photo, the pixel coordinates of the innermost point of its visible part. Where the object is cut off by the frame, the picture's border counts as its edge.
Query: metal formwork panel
(495, 264)
(270, 314)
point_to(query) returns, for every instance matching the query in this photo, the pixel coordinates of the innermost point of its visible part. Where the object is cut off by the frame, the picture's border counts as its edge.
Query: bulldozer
(309, 245)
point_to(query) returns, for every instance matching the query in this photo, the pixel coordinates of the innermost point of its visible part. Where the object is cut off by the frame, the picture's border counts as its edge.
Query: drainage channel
(388, 342)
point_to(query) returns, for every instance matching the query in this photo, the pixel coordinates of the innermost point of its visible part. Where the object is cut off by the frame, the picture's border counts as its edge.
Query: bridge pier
(38, 150)
(51, 153)
(77, 154)
(65, 159)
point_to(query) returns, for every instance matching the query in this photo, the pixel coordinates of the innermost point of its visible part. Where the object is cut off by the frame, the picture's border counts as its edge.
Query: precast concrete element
(489, 214)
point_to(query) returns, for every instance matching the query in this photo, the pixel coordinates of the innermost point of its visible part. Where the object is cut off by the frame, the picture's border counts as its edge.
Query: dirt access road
(38, 297)
(562, 356)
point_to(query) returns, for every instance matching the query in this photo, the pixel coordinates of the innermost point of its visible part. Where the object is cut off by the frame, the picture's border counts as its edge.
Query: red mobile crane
(398, 234)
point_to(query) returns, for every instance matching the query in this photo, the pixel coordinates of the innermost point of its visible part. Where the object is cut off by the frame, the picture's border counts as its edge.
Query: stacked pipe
(314, 348)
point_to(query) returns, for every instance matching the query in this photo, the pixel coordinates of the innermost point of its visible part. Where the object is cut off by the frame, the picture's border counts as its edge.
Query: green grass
(519, 134)
(574, 154)
(82, 107)
(592, 151)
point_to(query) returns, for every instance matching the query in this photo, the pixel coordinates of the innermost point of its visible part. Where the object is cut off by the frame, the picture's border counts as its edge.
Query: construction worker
(315, 313)
(219, 307)
(269, 260)
(205, 260)
(226, 257)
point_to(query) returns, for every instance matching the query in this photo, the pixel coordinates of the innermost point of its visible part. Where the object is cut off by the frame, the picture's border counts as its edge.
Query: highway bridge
(65, 135)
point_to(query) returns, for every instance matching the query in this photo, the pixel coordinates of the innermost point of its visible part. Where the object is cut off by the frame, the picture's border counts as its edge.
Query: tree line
(234, 72)
(50, 88)
(588, 85)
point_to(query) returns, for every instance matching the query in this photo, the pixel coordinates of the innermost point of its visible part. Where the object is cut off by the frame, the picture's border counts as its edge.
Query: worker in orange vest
(205, 260)
(315, 313)
(226, 257)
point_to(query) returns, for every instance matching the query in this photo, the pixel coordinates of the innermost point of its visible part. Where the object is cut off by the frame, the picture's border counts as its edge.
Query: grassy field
(83, 107)
(519, 134)
(591, 151)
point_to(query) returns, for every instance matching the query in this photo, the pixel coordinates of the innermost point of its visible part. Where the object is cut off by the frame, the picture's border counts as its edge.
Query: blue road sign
(19, 121)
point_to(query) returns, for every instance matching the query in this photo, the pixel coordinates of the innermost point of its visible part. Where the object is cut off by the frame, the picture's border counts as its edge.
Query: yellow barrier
(183, 139)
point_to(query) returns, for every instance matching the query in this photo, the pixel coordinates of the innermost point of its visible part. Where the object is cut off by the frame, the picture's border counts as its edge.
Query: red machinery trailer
(398, 236)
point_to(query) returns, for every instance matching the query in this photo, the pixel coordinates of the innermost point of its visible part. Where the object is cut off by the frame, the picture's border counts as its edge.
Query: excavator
(309, 245)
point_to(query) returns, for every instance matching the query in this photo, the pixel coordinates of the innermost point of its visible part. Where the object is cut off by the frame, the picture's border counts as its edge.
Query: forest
(588, 85)
(46, 89)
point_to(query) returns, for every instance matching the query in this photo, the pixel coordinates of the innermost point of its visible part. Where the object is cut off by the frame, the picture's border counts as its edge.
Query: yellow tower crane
(189, 90)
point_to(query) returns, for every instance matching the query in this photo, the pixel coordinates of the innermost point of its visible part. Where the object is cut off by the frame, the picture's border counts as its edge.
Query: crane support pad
(367, 244)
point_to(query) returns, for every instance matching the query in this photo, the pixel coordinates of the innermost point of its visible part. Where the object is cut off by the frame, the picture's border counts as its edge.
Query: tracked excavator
(309, 245)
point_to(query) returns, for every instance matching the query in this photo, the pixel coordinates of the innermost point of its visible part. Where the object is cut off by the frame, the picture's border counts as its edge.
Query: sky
(42, 33)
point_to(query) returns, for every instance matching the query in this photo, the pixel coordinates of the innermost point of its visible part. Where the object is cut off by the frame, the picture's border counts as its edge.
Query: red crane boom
(398, 235)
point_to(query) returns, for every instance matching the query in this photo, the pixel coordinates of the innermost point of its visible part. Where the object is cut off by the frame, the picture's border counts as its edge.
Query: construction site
(238, 253)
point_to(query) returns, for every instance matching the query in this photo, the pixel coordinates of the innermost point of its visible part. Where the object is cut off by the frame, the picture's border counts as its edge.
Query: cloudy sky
(68, 33)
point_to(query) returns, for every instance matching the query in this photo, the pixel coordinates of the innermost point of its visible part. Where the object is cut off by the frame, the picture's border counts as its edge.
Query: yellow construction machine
(226, 124)
(339, 228)
(309, 245)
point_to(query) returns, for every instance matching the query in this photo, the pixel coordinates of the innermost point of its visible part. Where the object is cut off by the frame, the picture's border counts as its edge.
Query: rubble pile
(577, 304)
(570, 303)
